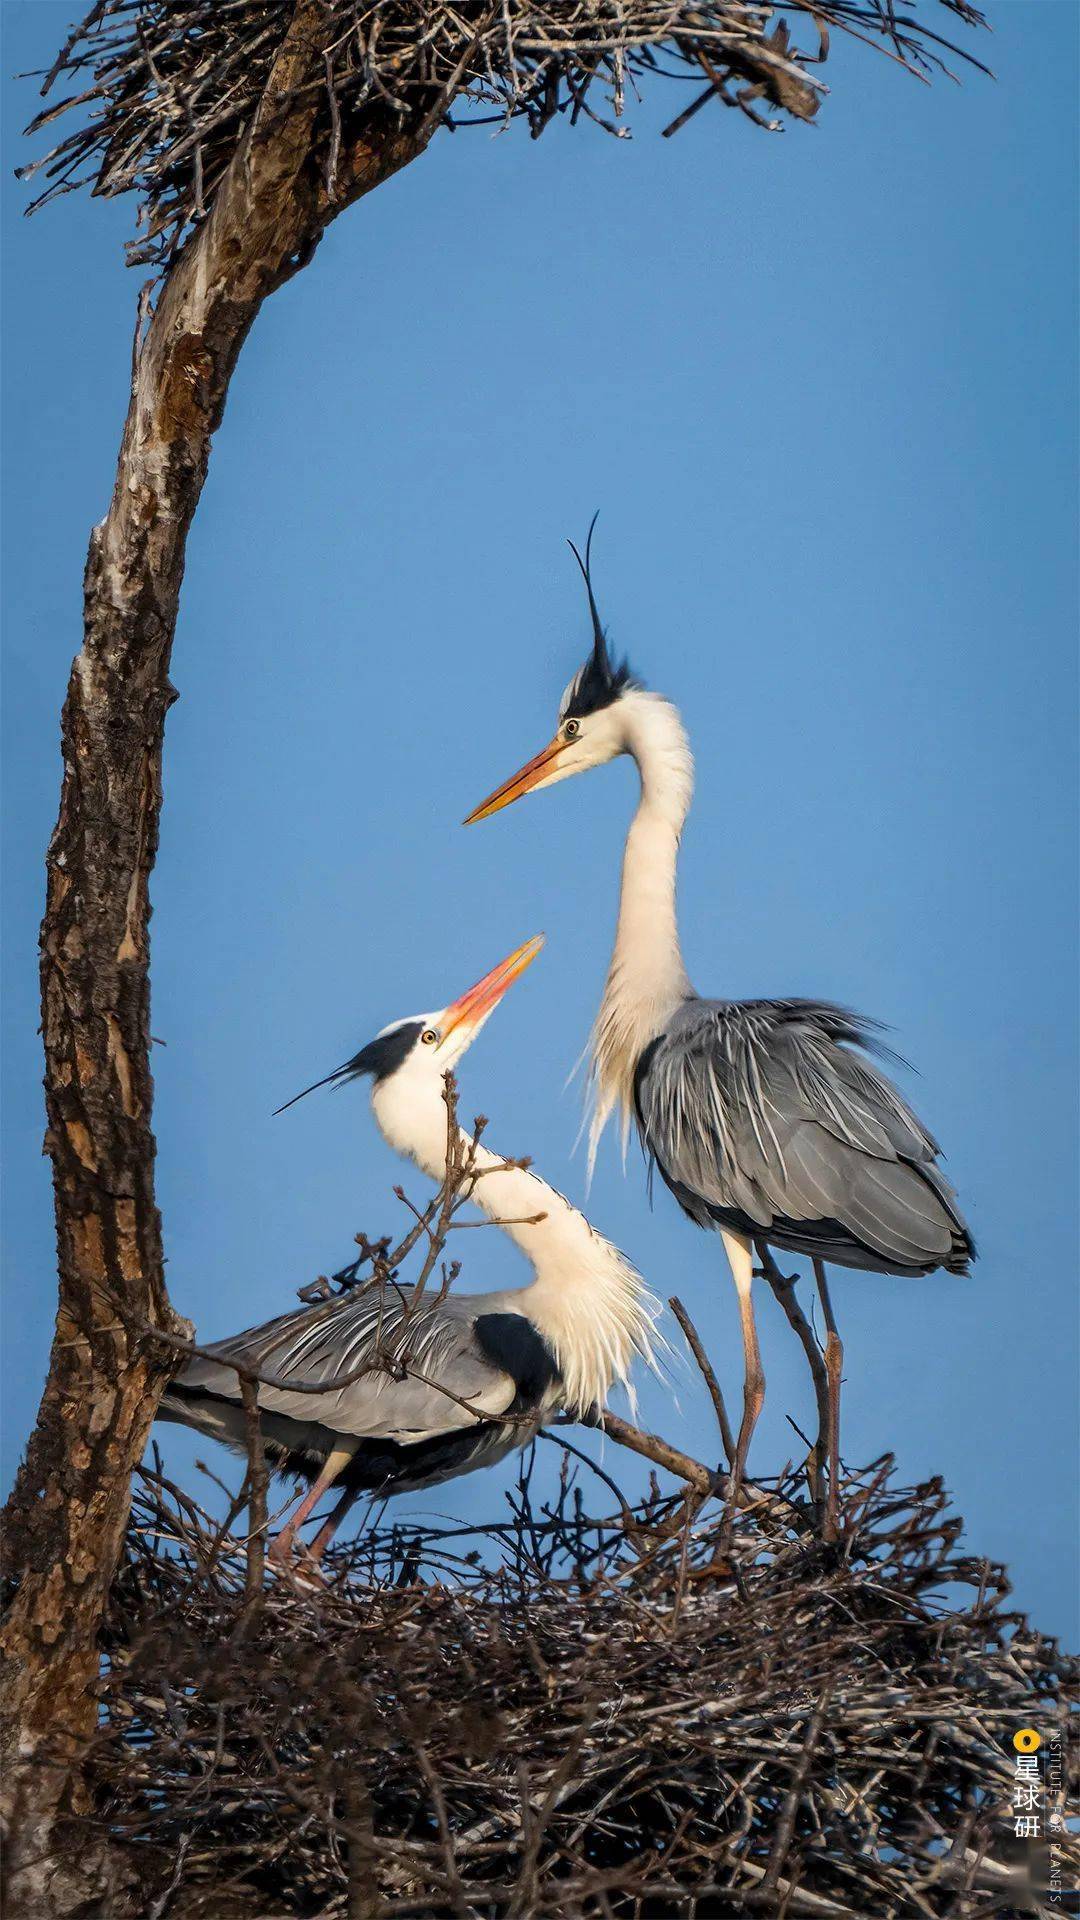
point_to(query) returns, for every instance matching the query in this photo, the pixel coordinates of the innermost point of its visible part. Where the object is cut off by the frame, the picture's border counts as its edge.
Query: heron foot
(280, 1550)
(294, 1560)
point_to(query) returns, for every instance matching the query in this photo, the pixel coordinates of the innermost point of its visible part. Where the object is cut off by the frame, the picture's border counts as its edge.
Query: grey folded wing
(768, 1116)
(421, 1368)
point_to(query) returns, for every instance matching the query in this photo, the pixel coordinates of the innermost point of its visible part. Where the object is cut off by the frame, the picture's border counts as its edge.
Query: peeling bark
(66, 1517)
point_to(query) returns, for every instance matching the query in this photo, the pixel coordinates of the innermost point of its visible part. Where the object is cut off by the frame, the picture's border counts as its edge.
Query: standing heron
(768, 1119)
(456, 1381)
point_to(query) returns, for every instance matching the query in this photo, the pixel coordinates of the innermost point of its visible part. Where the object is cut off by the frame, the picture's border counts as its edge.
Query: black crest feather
(601, 679)
(380, 1058)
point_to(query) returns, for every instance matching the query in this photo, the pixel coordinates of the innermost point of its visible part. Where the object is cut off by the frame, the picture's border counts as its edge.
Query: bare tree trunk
(66, 1517)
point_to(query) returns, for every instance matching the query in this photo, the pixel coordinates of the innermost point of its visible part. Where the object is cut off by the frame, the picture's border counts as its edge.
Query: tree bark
(66, 1517)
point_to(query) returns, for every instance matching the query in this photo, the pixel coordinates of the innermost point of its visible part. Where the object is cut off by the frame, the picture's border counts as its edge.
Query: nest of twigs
(566, 1715)
(165, 90)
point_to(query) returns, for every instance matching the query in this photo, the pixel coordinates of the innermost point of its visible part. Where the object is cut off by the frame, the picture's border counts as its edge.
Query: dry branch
(165, 90)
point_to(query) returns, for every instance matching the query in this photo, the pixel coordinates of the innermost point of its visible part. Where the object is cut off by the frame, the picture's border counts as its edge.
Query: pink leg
(281, 1550)
(330, 1526)
(783, 1287)
(741, 1259)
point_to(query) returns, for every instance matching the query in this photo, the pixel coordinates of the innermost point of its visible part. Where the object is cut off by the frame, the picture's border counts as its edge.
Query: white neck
(646, 979)
(585, 1298)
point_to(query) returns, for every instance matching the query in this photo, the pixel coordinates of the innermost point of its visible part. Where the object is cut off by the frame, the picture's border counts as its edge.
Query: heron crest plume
(602, 679)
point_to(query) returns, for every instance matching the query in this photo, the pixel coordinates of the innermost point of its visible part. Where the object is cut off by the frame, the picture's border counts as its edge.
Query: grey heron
(768, 1119)
(469, 1377)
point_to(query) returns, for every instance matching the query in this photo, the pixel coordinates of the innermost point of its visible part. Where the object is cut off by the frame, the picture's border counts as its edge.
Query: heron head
(590, 727)
(416, 1052)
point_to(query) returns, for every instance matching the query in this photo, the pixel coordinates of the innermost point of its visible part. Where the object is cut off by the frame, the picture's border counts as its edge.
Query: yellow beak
(475, 1005)
(520, 782)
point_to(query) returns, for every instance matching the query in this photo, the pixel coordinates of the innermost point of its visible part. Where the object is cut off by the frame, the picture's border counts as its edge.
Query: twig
(693, 1341)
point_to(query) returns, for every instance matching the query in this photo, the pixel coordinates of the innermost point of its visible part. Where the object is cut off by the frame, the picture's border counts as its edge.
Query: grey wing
(769, 1116)
(435, 1339)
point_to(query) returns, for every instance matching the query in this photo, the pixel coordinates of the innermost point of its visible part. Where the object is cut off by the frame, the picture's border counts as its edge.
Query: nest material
(569, 1718)
(165, 89)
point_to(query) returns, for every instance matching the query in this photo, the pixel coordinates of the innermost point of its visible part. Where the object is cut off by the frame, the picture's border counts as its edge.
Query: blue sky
(822, 387)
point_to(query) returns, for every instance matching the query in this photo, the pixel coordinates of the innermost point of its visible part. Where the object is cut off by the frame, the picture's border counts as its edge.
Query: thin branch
(693, 1341)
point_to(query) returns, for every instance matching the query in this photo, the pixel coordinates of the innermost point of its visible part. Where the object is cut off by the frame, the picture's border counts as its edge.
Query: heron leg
(337, 1461)
(783, 1286)
(740, 1255)
(330, 1525)
(834, 1364)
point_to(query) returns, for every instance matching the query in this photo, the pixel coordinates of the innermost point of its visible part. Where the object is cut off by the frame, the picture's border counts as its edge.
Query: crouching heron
(768, 1119)
(458, 1380)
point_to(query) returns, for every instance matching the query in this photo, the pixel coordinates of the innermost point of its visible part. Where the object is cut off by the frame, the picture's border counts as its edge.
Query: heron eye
(572, 728)
(429, 1037)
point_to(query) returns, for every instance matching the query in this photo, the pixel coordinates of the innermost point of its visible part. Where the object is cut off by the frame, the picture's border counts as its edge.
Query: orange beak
(520, 782)
(474, 1007)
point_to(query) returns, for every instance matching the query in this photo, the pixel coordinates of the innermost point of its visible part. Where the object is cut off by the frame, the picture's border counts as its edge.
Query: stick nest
(570, 1717)
(164, 90)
